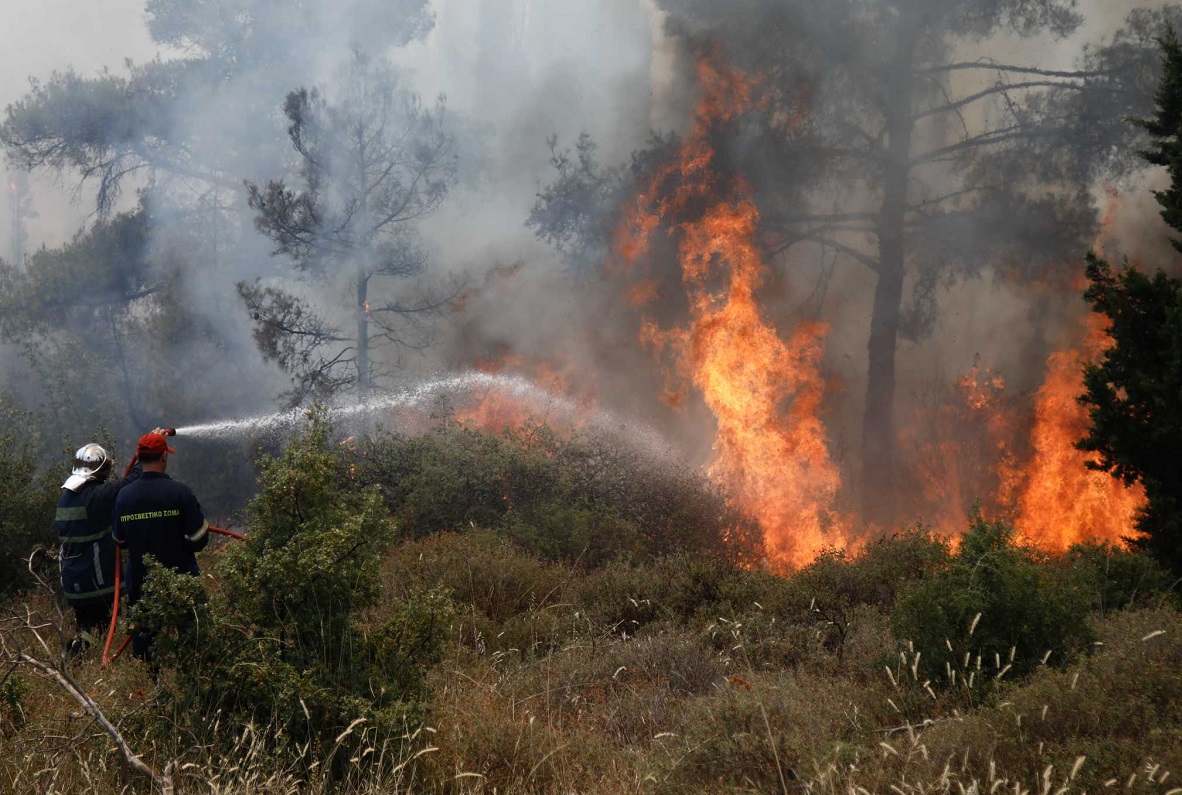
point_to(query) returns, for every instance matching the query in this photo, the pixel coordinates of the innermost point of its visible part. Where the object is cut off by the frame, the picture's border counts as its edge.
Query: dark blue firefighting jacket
(87, 554)
(158, 516)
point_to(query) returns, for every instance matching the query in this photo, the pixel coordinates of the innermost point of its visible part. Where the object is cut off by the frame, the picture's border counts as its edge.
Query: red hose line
(114, 613)
(122, 646)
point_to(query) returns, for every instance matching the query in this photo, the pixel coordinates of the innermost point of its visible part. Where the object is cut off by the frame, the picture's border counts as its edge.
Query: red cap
(153, 443)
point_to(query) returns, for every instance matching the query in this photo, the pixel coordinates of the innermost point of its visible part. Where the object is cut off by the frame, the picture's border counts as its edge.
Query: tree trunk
(878, 430)
(129, 390)
(362, 254)
(363, 384)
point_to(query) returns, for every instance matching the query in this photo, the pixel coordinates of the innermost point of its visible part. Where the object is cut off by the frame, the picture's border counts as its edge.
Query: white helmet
(88, 462)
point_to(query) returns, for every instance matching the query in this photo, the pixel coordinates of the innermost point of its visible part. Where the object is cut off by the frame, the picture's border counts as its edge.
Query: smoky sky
(514, 72)
(560, 66)
(530, 68)
(41, 36)
(534, 68)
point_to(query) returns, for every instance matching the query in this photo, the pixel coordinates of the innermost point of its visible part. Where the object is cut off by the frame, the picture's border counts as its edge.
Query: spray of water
(467, 386)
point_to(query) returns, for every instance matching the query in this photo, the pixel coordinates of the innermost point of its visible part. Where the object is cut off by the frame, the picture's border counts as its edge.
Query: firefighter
(157, 516)
(87, 555)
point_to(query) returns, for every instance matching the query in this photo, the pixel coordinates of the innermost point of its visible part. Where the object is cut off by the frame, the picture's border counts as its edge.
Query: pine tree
(1134, 394)
(1165, 130)
(374, 162)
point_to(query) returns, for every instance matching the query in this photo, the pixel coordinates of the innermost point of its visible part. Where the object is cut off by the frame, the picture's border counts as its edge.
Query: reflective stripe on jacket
(86, 558)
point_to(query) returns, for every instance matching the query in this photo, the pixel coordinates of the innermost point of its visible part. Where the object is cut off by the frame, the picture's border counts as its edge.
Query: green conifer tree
(1134, 393)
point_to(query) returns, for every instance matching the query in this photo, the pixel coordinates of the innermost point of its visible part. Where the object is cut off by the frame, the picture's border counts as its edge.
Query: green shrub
(507, 598)
(875, 575)
(558, 531)
(837, 582)
(695, 592)
(588, 498)
(293, 635)
(492, 574)
(625, 597)
(674, 508)
(27, 498)
(1114, 578)
(993, 600)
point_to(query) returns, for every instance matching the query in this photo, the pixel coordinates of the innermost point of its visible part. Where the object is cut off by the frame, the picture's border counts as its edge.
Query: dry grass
(542, 691)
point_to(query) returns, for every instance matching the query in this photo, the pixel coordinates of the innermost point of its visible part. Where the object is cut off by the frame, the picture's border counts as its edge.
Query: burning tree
(883, 140)
(764, 391)
(955, 162)
(373, 162)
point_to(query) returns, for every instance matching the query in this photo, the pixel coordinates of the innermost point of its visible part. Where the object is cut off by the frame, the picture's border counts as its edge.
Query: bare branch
(956, 194)
(787, 220)
(999, 88)
(992, 138)
(993, 66)
(828, 242)
(67, 683)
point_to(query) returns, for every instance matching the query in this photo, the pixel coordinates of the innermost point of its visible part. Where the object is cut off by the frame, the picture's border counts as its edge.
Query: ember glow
(498, 411)
(1064, 502)
(765, 392)
(961, 451)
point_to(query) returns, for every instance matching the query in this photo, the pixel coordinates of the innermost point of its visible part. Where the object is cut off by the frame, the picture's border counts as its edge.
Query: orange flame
(497, 412)
(1064, 502)
(644, 293)
(962, 453)
(765, 392)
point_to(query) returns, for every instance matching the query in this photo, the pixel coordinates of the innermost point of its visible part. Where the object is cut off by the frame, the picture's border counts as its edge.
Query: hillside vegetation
(462, 613)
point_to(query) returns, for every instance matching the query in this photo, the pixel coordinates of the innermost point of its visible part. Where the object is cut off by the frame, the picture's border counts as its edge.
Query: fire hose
(135, 457)
(107, 658)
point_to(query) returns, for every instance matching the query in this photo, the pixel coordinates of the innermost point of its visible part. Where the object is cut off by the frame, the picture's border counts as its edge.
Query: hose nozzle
(170, 431)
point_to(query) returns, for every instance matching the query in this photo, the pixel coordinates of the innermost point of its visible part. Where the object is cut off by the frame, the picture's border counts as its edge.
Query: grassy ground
(607, 633)
(672, 676)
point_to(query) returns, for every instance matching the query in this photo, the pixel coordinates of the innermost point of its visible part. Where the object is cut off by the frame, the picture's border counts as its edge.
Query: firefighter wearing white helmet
(87, 554)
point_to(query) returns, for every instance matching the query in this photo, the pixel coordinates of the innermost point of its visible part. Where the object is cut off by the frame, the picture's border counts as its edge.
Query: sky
(41, 36)
(89, 35)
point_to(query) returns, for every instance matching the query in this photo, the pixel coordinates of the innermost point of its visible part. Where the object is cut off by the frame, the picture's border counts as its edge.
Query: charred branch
(993, 66)
(992, 138)
(999, 88)
(829, 243)
(300, 340)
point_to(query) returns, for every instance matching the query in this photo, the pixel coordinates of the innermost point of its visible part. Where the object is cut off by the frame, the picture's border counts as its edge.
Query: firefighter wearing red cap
(157, 516)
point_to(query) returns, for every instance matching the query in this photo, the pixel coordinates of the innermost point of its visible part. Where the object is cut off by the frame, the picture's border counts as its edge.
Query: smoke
(994, 313)
(40, 39)
(515, 73)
